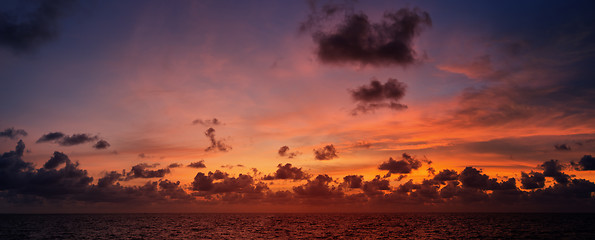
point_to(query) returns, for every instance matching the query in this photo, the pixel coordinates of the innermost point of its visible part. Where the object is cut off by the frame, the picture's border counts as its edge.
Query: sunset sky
(376, 105)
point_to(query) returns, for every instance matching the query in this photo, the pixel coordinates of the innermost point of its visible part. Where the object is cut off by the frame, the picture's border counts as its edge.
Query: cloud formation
(357, 40)
(207, 122)
(215, 144)
(327, 152)
(13, 133)
(22, 32)
(74, 139)
(378, 95)
(199, 164)
(403, 166)
(62, 181)
(287, 171)
(284, 152)
(142, 170)
(587, 163)
(101, 144)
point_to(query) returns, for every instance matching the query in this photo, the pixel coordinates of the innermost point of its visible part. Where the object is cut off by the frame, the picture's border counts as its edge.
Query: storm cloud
(74, 139)
(378, 95)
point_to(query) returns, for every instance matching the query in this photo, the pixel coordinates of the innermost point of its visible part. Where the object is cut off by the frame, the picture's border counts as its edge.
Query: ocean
(299, 226)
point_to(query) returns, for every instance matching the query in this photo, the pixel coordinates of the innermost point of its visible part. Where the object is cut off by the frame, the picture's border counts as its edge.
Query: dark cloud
(356, 40)
(532, 180)
(216, 144)
(377, 95)
(318, 188)
(376, 186)
(25, 31)
(199, 164)
(353, 181)
(13, 133)
(143, 155)
(222, 183)
(446, 175)
(175, 165)
(61, 181)
(284, 152)
(56, 160)
(49, 137)
(101, 144)
(562, 147)
(327, 152)
(288, 171)
(553, 168)
(587, 163)
(207, 122)
(403, 166)
(473, 178)
(76, 139)
(142, 171)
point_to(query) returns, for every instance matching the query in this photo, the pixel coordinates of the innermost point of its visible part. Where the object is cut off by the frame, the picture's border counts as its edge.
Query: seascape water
(299, 226)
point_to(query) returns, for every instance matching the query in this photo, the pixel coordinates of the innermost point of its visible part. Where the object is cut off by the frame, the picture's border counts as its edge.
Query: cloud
(199, 164)
(56, 160)
(288, 171)
(318, 188)
(446, 175)
(284, 152)
(553, 168)
(175, 165)
(63, 182)
(207, 122)
(532, 180)
(472, 178)
(13, 133)
(353, 181)
(22, 32)
(101, 144)
(587, 163)
(74, 139)
(222, 183)
(403, 166)
(357, 40)
(562, 147)
(216, 144)
(52, 136)
(141, 171)
(377, 95)
(327, 152)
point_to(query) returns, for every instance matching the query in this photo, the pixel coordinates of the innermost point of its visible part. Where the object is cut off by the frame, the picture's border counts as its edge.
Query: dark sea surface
(299, 226)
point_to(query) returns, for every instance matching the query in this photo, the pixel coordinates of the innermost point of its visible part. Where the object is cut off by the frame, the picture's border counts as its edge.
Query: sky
(296, 106)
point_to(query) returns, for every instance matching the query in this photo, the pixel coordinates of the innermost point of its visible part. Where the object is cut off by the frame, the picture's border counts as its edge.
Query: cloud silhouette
(403, 166)
(357, 40)
(377, 95)
(284, 152)
(287, 171)
(199, 164)
(23, 32)
(215, 144)
(13, 133)
(327, 152)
